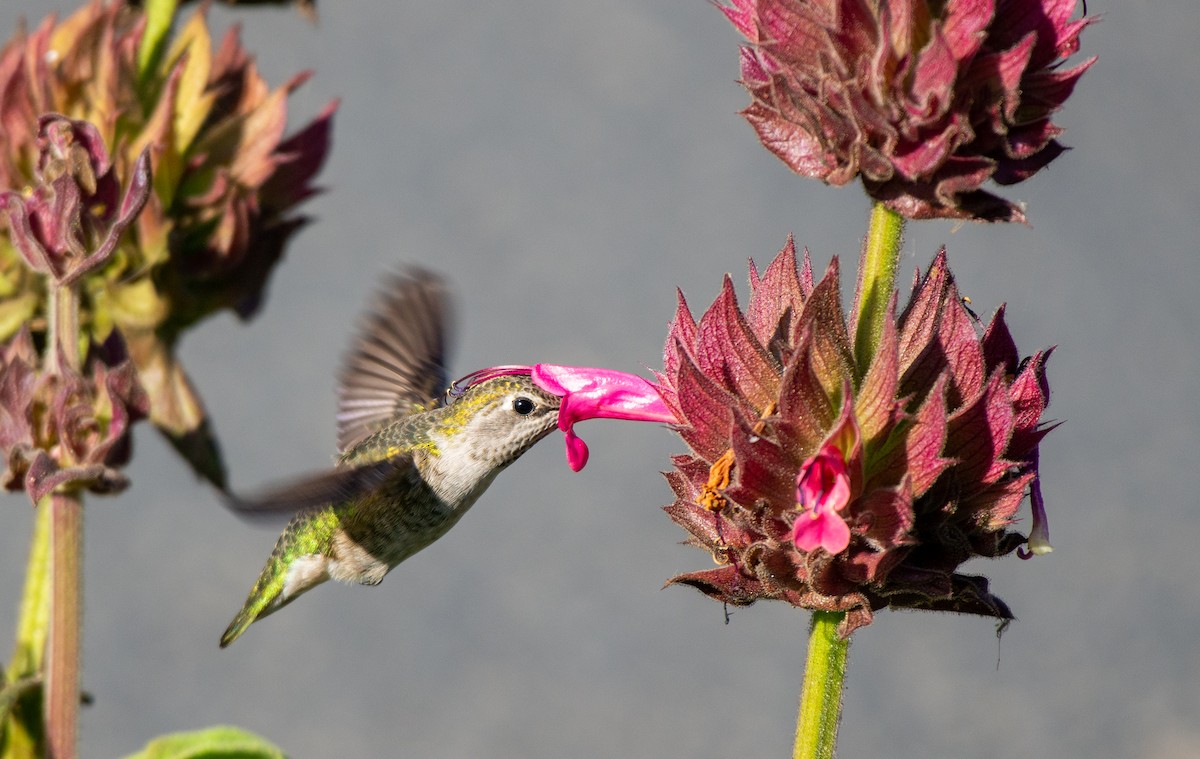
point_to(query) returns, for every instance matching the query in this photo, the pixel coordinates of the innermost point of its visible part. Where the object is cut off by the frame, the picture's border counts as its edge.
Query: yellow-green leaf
(159, 16)
(136, 304)
(220, 742)
(192, 103)
(16, 311)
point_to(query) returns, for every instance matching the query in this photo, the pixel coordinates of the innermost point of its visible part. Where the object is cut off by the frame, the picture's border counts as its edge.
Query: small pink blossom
(822, 490)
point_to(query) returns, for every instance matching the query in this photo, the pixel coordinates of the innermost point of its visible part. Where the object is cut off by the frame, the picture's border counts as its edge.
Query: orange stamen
(718, 480)
(719, 473)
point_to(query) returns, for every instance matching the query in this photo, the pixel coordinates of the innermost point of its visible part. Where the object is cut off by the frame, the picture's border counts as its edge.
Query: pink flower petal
(603, 393)
(820, 528)
(577, 450)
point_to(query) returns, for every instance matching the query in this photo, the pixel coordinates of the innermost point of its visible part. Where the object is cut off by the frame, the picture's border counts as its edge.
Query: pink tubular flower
(822, 490)
(924, 101)
(587, 393)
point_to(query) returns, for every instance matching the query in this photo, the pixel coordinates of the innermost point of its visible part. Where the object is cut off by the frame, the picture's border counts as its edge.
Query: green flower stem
(821, 696)
(877, 281)
(61, 696)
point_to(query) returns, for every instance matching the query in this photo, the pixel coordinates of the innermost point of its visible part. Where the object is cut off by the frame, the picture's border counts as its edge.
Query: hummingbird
(413, 455)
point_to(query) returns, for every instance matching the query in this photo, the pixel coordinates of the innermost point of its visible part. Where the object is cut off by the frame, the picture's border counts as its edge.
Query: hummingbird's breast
(402, 516)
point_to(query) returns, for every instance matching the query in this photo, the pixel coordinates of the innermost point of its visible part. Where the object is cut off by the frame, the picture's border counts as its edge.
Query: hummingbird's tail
(239, 624)
(266, 589)
(282, 580)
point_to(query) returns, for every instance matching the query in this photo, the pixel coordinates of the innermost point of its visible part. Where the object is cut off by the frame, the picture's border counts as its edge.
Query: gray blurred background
(568, 165)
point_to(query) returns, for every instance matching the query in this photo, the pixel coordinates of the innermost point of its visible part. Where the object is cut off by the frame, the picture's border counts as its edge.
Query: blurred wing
(398, 360)
(336, 486)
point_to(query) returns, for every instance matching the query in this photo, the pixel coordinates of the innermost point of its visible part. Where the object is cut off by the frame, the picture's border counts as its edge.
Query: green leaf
(219, 742)
(159, 15)
(13, 691)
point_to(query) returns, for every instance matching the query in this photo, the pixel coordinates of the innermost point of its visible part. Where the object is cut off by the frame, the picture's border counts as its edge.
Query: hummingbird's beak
(591, 393)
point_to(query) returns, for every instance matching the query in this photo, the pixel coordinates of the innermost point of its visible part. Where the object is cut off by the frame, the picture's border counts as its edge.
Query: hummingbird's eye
(523, 406)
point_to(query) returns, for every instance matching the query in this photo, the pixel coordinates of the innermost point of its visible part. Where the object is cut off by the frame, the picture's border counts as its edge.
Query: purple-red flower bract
(922, 451)
(926, 101)
(60, 428)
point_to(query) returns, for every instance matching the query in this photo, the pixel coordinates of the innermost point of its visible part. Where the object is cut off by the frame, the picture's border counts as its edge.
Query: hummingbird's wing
(398, 361)
(334, 486)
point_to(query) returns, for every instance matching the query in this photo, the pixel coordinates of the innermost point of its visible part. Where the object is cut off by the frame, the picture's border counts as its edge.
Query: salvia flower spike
(842, 485)
(924, 101)
(217, 216)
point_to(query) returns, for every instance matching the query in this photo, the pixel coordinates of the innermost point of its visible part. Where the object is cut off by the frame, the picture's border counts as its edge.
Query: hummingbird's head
(496, 419)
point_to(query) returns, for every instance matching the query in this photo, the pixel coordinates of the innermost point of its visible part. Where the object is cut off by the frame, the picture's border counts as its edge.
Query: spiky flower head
(221, 207)
(925, 101)
(833, 487)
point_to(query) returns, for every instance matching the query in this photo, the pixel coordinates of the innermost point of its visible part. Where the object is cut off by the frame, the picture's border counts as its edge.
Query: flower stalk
(850, 463)
(63, 644)
(62, 350)
(881, 256)
(61, 693)
(190, 133)
(821, 695)
(843, 483)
